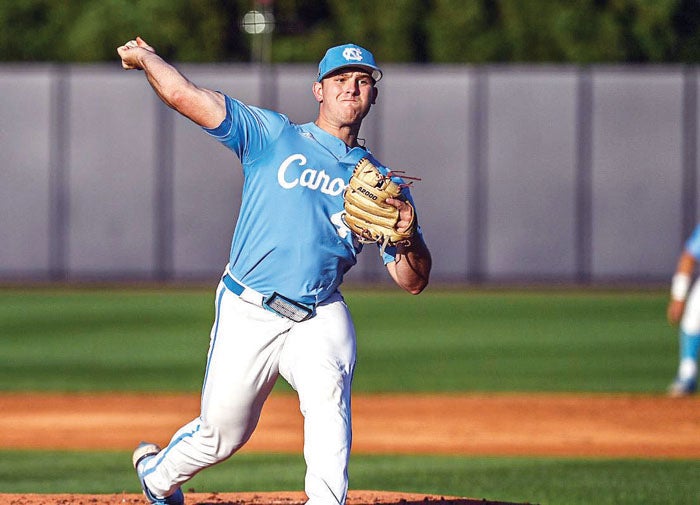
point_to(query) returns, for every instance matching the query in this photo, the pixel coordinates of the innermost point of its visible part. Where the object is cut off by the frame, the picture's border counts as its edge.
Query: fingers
(405, 213)
(123, 52)
(142, 43)
(675, 312)
(400, 205)
(130, 58)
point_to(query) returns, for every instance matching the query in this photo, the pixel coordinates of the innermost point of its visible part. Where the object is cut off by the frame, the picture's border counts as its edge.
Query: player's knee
(328, 400)
(220, 443)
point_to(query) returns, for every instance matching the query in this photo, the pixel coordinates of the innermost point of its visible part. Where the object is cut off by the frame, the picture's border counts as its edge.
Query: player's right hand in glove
(376, 210)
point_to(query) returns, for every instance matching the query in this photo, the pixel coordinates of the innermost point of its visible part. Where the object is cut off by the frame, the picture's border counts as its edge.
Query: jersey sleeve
(692, 245)
(247, 130)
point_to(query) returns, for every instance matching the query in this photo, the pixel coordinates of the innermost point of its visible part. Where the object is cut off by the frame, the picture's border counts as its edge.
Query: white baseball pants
(249, 348)
(690, 322)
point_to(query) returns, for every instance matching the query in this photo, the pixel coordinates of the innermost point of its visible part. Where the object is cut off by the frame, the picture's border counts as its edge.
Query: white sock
(688, 369)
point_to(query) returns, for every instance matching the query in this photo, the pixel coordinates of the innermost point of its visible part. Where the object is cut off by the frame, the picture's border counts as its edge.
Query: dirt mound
(288, 498)
(477, 424)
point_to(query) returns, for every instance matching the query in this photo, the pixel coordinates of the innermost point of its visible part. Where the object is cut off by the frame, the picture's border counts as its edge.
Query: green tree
(584, 31)
(304, 29)
(90, 30)
(393, 29)
(460, 31)
(442, 31)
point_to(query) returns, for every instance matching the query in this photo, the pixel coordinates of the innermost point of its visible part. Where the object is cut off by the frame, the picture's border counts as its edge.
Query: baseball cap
(348, 55)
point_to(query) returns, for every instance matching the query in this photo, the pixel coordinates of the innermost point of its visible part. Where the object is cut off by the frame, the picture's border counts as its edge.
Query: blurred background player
(684, 307)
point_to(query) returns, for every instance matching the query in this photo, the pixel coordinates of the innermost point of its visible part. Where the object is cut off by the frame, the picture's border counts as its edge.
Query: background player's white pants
(249, 348)
(690, 322)
(689, 335)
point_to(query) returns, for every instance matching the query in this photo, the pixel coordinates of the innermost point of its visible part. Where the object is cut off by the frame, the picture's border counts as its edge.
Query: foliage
(90, 30)
(444, 31)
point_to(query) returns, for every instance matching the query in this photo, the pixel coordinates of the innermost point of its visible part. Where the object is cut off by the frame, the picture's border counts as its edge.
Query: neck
(346, 133)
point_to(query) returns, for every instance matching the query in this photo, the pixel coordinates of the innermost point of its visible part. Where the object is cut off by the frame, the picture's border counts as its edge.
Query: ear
(375, 94)
(317, 89)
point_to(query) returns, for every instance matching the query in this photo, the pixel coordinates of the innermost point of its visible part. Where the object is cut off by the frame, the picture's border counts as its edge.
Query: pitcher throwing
(278, 308)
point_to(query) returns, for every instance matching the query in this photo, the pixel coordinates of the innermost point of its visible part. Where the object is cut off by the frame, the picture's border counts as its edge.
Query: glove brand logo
(352, 54)
(309, 178)
(367, 193)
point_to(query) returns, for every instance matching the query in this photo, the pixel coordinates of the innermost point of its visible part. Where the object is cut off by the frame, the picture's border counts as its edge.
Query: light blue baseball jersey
(692, 245)
(289, 237)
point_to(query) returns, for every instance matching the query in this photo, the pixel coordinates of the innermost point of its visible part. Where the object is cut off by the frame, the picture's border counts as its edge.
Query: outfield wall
(548, 173)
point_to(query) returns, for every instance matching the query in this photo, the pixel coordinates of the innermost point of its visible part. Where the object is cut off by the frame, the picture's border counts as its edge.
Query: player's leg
(689, 343)
(318, 360)
(241, 370)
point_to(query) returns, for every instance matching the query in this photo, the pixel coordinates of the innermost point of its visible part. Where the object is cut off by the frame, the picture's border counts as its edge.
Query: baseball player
(684, 307)
(278, 310)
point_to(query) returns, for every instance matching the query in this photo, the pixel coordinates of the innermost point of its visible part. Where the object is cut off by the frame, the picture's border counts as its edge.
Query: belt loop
(244, 292)
(252, 296)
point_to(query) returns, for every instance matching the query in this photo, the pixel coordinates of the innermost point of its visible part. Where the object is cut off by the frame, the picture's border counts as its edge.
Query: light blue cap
(348, 55)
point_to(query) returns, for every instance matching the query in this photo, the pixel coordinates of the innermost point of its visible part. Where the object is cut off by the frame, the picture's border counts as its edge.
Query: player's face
(347, 96)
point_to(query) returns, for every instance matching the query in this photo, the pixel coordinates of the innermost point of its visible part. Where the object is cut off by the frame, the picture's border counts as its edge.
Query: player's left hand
(375, 208)
(405, 221)
(675, 311)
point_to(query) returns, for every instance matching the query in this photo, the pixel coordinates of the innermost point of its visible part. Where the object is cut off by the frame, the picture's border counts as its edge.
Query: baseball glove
(366, 213)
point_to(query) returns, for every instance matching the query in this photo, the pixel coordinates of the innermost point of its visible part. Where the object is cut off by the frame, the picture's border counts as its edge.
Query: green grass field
(444, 340)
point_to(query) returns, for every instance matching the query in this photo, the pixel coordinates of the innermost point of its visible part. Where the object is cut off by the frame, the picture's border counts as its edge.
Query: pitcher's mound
(272, 498)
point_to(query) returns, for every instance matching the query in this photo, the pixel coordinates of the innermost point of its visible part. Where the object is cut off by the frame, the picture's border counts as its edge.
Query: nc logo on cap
(352, 54)
(348, 55)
